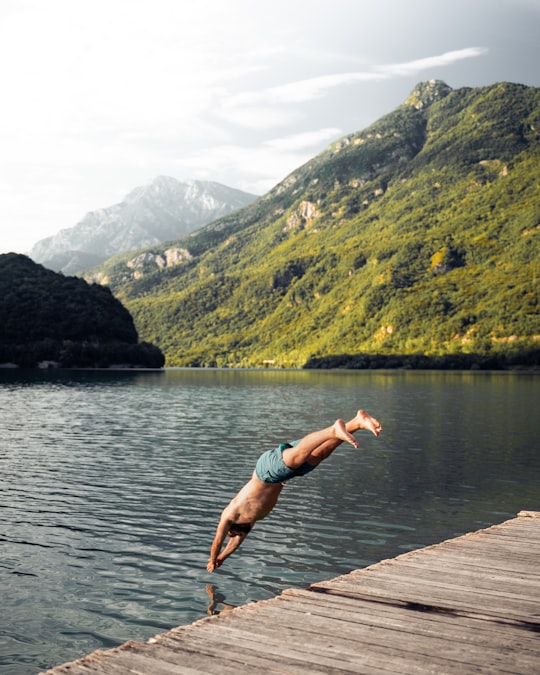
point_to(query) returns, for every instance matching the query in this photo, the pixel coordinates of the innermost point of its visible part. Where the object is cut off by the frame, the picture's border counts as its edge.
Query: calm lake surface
(111, 485)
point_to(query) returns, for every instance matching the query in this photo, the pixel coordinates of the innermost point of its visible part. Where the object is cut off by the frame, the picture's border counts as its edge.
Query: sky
(99, 97)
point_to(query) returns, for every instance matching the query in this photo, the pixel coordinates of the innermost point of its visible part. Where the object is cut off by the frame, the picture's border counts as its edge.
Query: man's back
(254, 501)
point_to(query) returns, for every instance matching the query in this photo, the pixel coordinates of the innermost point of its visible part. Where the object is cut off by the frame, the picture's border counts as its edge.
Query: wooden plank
(257, 649)
(322, 639)
(437, 582)
(484, 578)
(470, 604)
(529, 514)
(365, 611)
(306, 617)
(214, 649)
(448, 598)
(283, 654)
(434, 568)
(472, 558)
(340, 649)
(450, 588)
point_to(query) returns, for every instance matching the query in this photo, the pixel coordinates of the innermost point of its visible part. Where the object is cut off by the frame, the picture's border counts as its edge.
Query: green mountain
(417, 237)
(51, 319)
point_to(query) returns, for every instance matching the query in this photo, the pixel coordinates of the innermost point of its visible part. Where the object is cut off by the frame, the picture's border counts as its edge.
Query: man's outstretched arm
(221, 532)
(232, 545)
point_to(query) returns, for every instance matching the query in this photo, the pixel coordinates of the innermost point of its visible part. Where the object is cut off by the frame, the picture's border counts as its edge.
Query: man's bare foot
(342, 433)
(365, 421)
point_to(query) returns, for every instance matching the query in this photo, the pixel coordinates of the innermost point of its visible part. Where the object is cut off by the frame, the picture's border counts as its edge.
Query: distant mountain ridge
(163, 210)
(418, 236)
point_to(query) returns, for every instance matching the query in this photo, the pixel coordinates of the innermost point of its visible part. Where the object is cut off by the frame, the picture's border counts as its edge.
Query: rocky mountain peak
(162, 210)
(426, 93)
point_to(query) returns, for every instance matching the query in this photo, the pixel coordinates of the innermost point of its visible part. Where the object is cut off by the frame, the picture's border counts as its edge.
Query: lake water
(111, 485)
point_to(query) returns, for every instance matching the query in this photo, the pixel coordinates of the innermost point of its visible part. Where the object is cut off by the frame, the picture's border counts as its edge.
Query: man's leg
(320, 444)
(336, 434)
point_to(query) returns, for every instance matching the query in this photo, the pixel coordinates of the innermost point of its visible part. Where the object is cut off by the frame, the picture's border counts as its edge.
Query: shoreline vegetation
(49, 353)
(526, 360)
(48, 320)
(145, 356)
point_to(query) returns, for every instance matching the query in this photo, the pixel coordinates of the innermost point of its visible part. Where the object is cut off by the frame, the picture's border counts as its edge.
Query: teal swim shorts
(271, 468)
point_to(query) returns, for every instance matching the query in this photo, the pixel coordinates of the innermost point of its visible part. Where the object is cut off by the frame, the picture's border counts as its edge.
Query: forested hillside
(416, 237)
(46, 317)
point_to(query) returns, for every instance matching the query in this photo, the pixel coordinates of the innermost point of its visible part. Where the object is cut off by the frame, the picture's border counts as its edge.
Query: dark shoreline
(147, 357)
(528, 360)
(52, 354)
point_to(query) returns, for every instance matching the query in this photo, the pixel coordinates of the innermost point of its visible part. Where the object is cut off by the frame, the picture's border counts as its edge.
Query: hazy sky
(98, 97)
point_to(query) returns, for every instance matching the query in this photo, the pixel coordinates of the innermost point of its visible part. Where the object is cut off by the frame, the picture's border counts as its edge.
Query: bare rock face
(426, 93)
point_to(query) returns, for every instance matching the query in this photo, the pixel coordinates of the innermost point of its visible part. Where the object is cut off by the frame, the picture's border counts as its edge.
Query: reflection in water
(111, 485)
(217, 602)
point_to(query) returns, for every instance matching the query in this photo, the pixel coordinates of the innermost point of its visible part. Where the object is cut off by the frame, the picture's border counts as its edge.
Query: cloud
(430, 62)
(257, 117)
(226, 164)
(268, 161)
(302, 141)
(129, 66)
(301, 90)
(99, 97)
(254, 108)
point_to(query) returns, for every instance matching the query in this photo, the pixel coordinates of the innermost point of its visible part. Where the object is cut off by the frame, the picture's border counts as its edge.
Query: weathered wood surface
(467, 605)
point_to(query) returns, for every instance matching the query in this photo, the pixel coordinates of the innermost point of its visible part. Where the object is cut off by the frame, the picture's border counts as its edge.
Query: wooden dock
(467, 605)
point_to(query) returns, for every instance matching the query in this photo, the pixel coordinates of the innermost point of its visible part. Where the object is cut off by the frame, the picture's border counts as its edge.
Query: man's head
(239, 529)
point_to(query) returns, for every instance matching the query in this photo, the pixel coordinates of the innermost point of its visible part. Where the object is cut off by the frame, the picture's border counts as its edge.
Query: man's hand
(213, 564)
